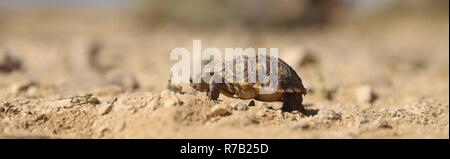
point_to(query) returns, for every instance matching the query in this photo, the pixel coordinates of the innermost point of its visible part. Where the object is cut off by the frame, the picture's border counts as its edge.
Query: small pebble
(264, 105)
(220, 110)
(8, 63)
(104, 109)
(302, 126)
(383, 125)
(122, 78)
(276, 106)
(252, 103)
(41, 117)
(102, 131)
(261, 114)
(20, 86)
(362, 119)
(175, 88)
(300, 57)
(329, 115)
(172, 101)
(7, 104)
(154, 104)
(32, 91)
(279, 114)
(239, 106)
(365, 94)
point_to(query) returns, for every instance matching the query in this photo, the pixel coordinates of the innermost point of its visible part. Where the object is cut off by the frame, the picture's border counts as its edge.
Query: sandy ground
(379, 79)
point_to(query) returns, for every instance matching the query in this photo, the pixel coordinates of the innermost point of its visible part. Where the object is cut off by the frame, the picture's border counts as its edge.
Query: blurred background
(373, 68)
(71, 46)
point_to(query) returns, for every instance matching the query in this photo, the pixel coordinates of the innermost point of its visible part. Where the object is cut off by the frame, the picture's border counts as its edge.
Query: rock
(362, 119)
(173, 86)
(299, 57)
(21, 86)
(252, 103)
(239, 106)
(132, 102)
(93, 52)
(383, 125)
(276, 106)
(220, 110)
(302, 126)
(306, 59)
(263, 105)
(6, 104)
(154, 104)
(102, 131)
(181, 88)
(261, 114)
(32, 91)
(9, 63)
(105, 108)
(329, 115)
(93, 100)
(42, 118)
(172, 101)
(190, 91)
(123, 79)
(364, 94)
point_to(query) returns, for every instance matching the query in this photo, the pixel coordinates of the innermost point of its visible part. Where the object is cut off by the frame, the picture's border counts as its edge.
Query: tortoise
(289, 90)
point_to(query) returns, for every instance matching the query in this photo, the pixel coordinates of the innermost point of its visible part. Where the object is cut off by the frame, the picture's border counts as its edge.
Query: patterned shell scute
(256, 71)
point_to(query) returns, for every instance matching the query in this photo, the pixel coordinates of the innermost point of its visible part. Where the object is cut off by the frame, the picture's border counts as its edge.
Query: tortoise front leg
(214, 90)
(293, 101)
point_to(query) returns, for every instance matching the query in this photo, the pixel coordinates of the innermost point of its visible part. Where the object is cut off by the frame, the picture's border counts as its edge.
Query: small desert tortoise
(289, 90)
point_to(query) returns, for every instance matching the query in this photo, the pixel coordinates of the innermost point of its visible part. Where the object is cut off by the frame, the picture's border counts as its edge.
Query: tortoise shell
(245, 76)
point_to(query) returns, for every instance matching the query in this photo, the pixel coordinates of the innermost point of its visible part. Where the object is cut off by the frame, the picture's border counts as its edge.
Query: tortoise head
(202, 86)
